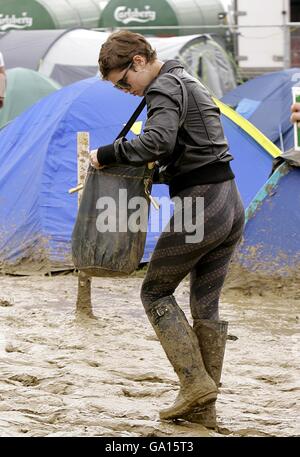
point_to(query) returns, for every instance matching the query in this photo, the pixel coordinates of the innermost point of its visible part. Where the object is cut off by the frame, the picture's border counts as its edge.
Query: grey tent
(28, 49)
(203, 58)
(22, 48)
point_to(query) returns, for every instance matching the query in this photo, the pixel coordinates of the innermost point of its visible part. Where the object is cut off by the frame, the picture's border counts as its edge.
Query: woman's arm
(164, 103)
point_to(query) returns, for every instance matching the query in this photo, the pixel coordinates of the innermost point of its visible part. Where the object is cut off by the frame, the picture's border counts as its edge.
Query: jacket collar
(170, 65)
(166, 68)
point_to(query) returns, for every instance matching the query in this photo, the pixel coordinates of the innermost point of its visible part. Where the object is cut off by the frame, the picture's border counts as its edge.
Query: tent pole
(84, 302)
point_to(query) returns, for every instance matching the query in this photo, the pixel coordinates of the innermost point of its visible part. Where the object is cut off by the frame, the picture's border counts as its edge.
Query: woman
(193, 158)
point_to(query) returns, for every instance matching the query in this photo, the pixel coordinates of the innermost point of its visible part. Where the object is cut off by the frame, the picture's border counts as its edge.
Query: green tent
(24, 88)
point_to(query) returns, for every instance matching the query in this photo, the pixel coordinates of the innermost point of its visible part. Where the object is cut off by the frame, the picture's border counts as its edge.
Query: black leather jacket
(178, 149)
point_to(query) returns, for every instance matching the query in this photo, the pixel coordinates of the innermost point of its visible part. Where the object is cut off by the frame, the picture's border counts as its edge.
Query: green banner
(138, 13)
(25, 14)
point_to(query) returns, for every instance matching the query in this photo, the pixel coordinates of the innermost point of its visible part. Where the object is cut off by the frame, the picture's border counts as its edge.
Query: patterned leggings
(206, 260)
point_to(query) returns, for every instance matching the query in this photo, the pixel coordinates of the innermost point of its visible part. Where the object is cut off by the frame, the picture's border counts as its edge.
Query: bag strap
(142, 105)
(132, 120)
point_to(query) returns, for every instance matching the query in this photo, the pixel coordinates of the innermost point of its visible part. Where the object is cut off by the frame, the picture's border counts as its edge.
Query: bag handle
(132, 120)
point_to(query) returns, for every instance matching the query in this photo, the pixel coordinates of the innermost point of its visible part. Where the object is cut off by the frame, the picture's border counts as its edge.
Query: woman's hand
(295, 108)
(94, 160)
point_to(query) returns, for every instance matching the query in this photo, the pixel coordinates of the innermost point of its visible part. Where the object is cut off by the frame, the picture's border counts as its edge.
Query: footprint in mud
(59, 388)
(23, 430)
(11, 348)
(56, 363)
(35, 340)
(26, 380)
(252, 432)
(77, 347)
(5, 303)
(13, 321)
(142, 377)
(92, 363)
(142, 393)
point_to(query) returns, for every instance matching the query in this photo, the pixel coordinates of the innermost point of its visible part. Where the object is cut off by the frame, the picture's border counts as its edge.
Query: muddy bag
(111, 226)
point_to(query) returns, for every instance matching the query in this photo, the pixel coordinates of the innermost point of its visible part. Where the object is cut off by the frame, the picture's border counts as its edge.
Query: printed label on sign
(127, 15)
(13, 22)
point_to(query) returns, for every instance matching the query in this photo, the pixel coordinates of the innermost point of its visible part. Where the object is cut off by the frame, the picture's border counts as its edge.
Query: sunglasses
(122, 84)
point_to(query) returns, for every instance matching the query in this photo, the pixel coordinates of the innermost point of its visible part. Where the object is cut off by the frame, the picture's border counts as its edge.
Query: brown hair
(120, 48)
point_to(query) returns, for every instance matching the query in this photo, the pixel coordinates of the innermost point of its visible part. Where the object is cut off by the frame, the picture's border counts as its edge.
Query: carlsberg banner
(136, 13)
(127, 15)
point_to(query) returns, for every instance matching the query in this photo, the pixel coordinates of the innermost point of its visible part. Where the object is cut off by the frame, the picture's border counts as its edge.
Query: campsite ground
(67, 376)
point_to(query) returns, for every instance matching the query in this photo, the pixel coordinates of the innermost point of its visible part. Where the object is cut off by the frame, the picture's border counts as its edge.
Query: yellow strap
(245, 125)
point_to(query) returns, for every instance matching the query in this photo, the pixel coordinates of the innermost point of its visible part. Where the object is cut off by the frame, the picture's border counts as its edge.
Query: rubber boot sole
(184, 405)
(205, 416)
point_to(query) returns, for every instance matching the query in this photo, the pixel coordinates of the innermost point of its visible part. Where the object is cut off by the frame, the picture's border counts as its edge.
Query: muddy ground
(66, 376)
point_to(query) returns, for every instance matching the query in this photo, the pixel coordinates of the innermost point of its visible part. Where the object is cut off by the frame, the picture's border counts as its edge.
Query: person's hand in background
(295, 108)
(2, 81)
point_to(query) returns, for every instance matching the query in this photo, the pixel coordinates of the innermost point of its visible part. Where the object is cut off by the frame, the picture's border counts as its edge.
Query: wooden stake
(84, 303)
(83, 149)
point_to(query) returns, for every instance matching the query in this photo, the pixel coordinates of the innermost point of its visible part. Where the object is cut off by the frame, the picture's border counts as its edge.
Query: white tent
(74, 56)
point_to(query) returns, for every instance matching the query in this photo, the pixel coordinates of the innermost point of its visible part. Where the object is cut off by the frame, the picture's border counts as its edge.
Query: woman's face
(135, 77)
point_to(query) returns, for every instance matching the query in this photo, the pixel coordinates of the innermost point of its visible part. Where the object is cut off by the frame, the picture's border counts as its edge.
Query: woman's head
(128, 61)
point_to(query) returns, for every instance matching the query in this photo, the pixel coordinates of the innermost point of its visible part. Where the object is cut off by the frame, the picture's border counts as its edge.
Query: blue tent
(265, 101)
(39, 166)
(271, 241)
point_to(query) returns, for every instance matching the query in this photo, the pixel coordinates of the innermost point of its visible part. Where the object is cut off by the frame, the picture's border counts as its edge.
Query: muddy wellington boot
(212, 340)
(182, 349)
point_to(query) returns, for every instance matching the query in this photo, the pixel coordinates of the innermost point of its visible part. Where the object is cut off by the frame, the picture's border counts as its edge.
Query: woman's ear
(139, 60)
